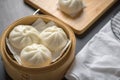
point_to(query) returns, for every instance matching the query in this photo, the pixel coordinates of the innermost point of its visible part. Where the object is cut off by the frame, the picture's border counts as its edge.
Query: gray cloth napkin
(99, 59)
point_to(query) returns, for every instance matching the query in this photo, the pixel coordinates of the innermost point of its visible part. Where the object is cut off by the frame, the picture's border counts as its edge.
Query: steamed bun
(23, 35)
(70, 7)
(54, 38)
(35, 55)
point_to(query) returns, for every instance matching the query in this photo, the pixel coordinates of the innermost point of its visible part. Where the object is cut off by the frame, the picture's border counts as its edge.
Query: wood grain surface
(92, 11)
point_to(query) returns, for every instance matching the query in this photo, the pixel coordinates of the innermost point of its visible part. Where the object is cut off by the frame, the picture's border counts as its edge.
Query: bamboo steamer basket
(54, 71)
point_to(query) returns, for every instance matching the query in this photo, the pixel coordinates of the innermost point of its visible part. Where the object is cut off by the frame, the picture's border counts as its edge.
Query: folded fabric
(99, 59)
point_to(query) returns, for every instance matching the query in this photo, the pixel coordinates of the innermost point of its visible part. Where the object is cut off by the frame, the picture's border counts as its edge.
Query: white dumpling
(70, 7)
(23, 35)
(35, 55)
(54, 38)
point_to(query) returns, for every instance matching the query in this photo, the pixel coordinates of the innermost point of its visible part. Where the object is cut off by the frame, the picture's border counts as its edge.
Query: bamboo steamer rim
(46, 68)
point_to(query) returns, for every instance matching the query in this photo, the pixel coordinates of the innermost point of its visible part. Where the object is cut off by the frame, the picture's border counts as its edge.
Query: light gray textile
(99, 59)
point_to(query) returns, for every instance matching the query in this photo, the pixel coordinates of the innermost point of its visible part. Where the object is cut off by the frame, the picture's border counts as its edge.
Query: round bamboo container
(54, 71)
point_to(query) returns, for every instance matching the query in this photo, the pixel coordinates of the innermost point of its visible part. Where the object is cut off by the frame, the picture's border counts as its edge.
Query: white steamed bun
(23, 35)
(70, 7)
(35, 55)
(54, 38)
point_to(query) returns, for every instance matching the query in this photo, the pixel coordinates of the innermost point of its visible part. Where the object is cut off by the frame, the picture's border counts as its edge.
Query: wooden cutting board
(92, 11)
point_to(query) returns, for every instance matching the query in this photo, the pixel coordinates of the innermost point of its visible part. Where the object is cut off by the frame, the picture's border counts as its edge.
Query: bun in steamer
(23, 35)
(35, 55)
(54, 38)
